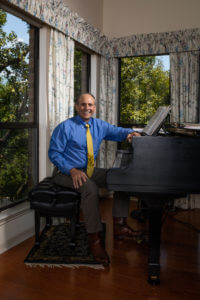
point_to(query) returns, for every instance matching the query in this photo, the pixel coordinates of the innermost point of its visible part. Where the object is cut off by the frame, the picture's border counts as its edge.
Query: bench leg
(48, 221)
(72, 230)
(37, 227)
(78, 214)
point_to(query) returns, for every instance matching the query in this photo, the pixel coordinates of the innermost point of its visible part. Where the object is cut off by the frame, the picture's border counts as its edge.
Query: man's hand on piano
(131, 135)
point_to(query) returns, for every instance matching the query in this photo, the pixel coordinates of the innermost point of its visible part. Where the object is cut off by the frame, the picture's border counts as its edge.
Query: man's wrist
(71, 171)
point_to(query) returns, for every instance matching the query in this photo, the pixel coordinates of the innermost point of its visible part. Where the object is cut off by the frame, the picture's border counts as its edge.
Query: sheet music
(193, 126)
(156, 121)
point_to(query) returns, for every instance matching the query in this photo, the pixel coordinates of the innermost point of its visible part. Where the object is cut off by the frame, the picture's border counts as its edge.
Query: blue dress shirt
(68, 147)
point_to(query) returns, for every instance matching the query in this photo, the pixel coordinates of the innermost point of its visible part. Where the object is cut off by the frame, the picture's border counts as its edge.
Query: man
(73, 148)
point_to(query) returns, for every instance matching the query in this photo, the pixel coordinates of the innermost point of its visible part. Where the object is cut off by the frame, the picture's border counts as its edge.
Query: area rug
(55, 249)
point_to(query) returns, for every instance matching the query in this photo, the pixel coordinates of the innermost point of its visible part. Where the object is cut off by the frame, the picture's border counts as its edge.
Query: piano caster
(154, 280)
(154, 274)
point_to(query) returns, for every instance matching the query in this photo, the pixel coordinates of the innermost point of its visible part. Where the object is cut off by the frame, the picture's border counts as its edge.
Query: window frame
(88, 53)
(35, 123)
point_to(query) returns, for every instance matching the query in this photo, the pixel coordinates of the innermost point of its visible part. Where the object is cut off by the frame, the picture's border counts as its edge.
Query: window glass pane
(18, 142)
(144, 87)
(16, 69)
(17, 164)
(81, 72)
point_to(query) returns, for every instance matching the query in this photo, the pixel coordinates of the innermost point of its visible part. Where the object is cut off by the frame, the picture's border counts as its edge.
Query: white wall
(90, 10)
(118, 18)
(127, 17)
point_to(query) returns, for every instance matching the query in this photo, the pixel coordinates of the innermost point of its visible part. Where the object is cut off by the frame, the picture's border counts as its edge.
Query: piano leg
(155, 218)
(155, 211)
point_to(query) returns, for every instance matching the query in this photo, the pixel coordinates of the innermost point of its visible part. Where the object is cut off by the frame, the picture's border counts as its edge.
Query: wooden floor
(126, 277)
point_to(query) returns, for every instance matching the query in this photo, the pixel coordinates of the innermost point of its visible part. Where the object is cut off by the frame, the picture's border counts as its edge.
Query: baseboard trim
(8, 244)
(16, 225)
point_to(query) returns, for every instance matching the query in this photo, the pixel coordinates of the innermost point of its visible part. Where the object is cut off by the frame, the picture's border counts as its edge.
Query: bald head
(83, 96)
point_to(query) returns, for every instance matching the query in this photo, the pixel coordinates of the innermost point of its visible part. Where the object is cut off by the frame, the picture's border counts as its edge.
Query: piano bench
(50, 200)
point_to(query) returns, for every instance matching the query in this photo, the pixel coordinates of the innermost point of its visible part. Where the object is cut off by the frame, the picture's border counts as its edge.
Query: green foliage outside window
(14, 164)
(144, 87)
(77, 72)
(81, 72)
(13, 75)
(15, 108)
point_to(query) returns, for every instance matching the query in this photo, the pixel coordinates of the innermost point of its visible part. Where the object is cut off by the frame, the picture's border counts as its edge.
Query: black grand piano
(158, 170)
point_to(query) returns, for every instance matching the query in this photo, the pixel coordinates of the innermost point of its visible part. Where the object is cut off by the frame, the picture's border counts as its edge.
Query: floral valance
(157, 43)
(56, 14)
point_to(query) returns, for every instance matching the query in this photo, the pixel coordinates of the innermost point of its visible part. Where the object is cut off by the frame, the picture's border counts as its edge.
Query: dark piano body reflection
(158, 170)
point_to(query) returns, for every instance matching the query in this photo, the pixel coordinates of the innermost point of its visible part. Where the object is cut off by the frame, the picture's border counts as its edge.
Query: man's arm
(118, 134)
(57, 147)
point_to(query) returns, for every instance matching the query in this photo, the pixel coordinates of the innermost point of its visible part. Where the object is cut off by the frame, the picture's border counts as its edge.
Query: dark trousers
(90, 198)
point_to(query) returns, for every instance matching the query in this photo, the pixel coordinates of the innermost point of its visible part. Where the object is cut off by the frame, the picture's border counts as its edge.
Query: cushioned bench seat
(51, 200)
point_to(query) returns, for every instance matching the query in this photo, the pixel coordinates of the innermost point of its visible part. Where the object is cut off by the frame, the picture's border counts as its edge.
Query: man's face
(86, 107)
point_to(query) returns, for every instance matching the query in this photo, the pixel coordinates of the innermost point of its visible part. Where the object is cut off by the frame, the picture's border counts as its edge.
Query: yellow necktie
(90, 152)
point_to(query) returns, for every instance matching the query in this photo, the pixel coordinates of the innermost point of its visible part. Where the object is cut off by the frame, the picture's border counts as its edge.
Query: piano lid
(164, 165)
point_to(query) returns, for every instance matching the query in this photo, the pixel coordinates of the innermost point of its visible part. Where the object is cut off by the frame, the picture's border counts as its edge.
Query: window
(144, 86)
(18, 108)
(81, 72)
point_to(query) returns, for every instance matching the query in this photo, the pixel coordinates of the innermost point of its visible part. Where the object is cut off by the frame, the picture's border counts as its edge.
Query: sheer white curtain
(184, 69)
(61, 78)
(107, 107)
(61, 83)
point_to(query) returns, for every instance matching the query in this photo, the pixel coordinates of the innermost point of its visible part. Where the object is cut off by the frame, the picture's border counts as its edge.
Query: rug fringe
(75, 266)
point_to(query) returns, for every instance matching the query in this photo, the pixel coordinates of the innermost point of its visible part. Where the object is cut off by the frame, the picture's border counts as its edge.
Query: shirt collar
(83, 122)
